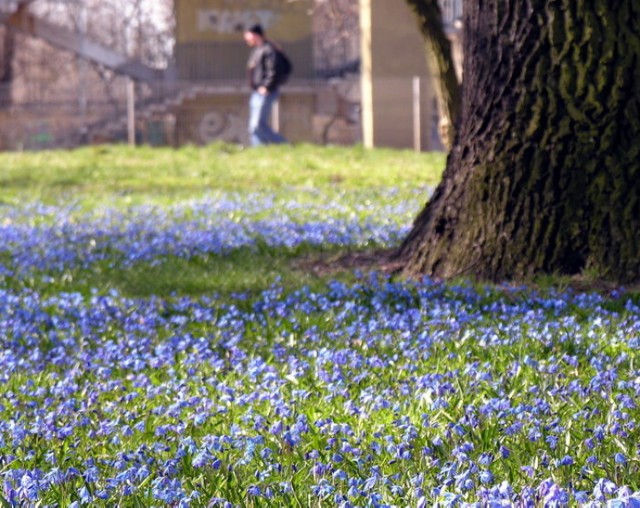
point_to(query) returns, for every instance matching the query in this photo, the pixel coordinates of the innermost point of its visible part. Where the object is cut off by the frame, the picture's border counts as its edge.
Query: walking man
(264, 81)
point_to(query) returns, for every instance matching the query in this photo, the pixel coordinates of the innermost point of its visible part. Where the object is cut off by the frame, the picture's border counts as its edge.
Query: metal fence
(163, 114)
(177, 113)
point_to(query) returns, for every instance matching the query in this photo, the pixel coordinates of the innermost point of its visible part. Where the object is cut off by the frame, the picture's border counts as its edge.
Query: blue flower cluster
(41, 238)
(378, 393)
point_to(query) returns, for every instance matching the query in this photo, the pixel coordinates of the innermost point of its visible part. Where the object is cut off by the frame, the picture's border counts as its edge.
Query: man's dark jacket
(262, 67)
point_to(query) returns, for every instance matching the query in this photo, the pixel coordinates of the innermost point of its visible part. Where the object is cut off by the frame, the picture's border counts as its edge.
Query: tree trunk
(545, 173)
(440, 63)
(6, 65)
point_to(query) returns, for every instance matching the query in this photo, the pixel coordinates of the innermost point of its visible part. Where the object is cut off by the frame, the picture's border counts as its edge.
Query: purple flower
(254, 490)
(567, 460)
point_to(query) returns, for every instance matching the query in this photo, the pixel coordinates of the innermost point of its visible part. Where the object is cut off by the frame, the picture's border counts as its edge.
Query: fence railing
(324, 112)
(176, 113)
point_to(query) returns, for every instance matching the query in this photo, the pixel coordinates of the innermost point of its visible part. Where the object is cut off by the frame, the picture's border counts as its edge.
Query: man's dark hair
(256, 29)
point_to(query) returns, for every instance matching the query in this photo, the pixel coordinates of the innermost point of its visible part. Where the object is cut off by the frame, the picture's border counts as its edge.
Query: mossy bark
(441, 65)
(545, 173)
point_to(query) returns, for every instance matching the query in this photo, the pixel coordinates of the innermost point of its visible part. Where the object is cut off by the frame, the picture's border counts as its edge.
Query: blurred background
(172, 72)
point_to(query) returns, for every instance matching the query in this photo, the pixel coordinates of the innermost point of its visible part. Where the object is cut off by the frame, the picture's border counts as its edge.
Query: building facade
(210, 50)
(356, 67)
(399, 103)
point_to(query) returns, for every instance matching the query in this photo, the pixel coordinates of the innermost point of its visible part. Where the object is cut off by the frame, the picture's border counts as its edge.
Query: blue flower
(254, 490)
(620, 458)
(85, 495)
(567, 460)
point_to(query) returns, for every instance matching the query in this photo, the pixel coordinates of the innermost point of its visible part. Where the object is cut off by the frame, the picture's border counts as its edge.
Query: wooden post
(275, 117)
(417, 128)
(82, 66)
(131, 112)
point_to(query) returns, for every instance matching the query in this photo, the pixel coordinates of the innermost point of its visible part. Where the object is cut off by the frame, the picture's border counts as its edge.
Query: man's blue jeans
(260, 131)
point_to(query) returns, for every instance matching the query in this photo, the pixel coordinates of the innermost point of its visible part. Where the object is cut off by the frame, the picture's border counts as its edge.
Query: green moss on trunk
(544, 178)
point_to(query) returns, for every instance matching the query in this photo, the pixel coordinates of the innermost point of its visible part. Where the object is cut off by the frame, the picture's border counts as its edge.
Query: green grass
(241, 271)
(100, 174)
(344, 183)
(268, 376)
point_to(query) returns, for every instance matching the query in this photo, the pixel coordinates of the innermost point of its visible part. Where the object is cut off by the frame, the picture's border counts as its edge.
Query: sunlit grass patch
(242, 270)
(162, 346)
(108, 174)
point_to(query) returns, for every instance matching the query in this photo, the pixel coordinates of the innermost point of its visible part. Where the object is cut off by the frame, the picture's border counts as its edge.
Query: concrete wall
(210, 48)
(224, 116)
(392, 55)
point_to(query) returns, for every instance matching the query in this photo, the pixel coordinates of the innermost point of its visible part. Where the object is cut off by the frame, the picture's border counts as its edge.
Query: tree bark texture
(440, 63)
(545, 173)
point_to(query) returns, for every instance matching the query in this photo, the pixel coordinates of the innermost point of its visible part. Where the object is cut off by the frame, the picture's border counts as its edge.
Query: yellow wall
(209, 42)
(210, 47)
(224, 20)
(224, 117)
(392, 54)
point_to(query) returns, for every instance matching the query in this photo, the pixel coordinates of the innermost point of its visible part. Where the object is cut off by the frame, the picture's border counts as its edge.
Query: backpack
(284, 67)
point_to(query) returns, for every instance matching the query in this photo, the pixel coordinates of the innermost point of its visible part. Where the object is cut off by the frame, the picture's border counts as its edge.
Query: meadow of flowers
(375, 392)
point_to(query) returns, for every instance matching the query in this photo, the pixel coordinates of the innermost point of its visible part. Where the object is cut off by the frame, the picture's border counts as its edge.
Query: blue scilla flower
(620, 458)
(567, 460)
(624, 491)
(623, 503)
(505, 490)
(201, 459)
(143, 472)
(634, 501)
(28, 488)
(459, 430)
(581, 496)
(486, 477)
(603, 489)
(91, 475)
(318, 469)
(55, 476)
(370, 483)
(322, 489)
(340, 474)
(220, 501)
(84, 495)
(254, 490)
(353, 492)
(451, 499)
(552, 441)
(285, 487)
(397, 490)
(556, 496)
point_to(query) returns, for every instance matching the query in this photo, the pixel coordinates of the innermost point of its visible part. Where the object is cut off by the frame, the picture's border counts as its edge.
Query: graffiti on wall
(219, 125)
(205, 21)
(230, 22)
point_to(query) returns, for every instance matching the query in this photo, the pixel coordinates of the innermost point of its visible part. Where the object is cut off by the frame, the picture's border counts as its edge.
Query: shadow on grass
(243, 270)
(250, 271)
